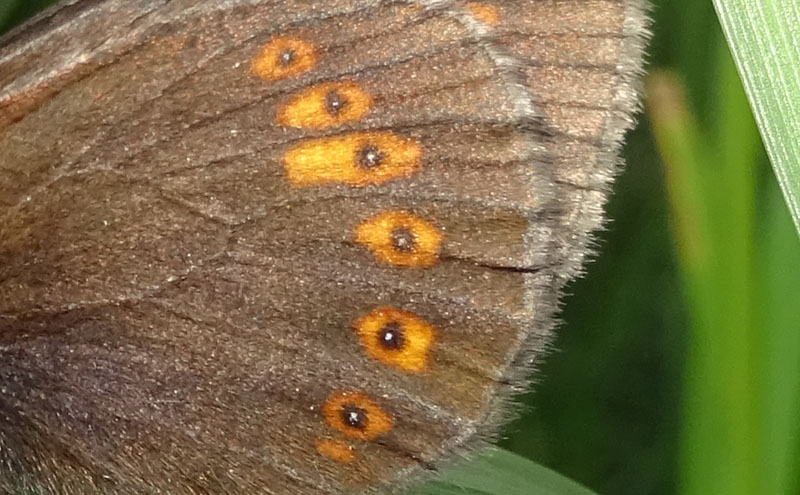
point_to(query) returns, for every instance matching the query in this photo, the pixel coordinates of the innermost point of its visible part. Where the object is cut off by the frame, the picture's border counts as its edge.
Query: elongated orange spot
(282, 57)
(396, 338)
(357, 159)
(487, 14)
(356, 415)
(325, 105)
(336, 450)
(401, 239)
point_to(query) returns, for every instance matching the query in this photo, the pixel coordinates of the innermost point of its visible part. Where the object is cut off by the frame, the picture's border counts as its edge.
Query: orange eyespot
(396, 338)
(283, 57)
(325, 105)
(487, 14)
(356, 416)
(401, 239)
(357, 159)
(336, 450)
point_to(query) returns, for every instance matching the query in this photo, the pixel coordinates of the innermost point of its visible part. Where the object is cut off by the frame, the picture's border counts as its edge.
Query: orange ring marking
(356, 416)
(325, 105)
(357, 159)
(271, 65)
(396, 338)
(400, 238)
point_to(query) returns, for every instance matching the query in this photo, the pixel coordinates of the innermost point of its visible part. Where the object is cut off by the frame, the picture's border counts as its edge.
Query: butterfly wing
(581, 61)
(263, 246)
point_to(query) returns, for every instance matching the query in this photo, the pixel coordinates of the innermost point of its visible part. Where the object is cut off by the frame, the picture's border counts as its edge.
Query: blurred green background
(677, 367)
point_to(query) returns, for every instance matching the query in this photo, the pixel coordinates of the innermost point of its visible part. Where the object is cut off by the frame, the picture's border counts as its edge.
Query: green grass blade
(763, 36)
(779, 351)
(709, 176)
(741, 274)
(499, 472)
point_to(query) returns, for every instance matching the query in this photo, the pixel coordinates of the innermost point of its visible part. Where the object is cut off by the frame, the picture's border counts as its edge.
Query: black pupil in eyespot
(286, 57)
(334, 102)
(354, 416)
(369, 157)
(391, 336)
(403, 239)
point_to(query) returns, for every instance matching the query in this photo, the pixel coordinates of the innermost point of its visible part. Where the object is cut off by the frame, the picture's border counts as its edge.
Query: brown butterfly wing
(262, 247)
(582, 61)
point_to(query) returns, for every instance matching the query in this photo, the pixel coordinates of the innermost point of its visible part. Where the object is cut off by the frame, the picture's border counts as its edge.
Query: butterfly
(291, 246)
